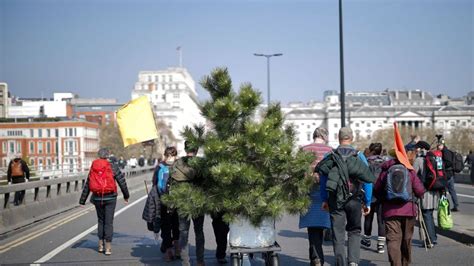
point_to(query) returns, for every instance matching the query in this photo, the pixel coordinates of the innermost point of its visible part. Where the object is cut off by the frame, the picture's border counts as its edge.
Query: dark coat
(24, 167)
(151, 211)
(119, 178)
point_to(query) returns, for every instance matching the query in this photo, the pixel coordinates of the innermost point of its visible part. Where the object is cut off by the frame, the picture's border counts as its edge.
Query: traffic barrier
(49, 197)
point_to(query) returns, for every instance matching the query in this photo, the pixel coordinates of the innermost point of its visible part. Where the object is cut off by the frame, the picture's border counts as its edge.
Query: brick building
(68, 145)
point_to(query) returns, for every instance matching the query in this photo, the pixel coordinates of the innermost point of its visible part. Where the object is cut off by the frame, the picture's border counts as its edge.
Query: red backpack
(435, 177)
(101, 178)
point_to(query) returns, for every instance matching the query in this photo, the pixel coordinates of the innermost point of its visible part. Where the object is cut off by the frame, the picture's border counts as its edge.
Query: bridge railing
(48, 197)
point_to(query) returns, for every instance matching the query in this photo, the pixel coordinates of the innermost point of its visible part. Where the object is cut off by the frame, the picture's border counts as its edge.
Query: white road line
(466, 196)
(59, 249)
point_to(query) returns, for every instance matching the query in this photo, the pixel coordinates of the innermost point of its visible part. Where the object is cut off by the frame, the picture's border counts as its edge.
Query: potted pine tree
(250, 166)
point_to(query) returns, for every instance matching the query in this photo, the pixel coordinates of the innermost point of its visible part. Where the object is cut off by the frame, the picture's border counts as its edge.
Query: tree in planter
(249, 167)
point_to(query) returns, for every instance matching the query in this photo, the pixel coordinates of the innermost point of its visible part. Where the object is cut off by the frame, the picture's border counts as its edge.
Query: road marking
(59, 249)
(42, 231)
(466, 196)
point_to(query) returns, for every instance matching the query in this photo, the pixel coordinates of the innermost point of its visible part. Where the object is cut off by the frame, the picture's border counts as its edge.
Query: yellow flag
(136, 122)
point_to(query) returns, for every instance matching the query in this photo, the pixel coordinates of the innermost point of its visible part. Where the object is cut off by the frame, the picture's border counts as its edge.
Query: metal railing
(47, 197)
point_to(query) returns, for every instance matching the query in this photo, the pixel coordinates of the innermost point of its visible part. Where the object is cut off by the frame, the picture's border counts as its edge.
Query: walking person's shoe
(455, 209)
(177, 249)
(315, 262)
(201, 263)
(380, 244)
(100, 249)
(222, 260)
(365, 241)
(169, 256)
(108, 248)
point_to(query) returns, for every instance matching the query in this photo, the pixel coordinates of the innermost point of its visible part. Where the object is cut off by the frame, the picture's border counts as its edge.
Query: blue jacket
(367, 187)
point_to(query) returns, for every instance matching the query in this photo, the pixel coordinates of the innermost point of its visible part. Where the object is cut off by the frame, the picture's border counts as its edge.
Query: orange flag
(400, 148)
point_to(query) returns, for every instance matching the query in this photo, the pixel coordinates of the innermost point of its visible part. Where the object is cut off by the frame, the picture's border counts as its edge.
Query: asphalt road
(134, 245)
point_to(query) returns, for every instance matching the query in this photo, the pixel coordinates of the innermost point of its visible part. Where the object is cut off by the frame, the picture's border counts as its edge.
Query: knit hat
(422, 145)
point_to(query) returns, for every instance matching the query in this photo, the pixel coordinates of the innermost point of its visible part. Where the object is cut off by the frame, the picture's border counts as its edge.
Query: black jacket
(24, 166)
(448, 159)
(119, 177)
(151, 212)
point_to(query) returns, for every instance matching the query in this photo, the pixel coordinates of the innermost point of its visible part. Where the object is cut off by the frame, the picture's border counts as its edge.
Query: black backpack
(354, 186)
(458, 163)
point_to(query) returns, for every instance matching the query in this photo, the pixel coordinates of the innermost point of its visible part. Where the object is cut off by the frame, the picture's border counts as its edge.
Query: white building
(41, 107)
(367, 112)
(3, 100)
(173, 97)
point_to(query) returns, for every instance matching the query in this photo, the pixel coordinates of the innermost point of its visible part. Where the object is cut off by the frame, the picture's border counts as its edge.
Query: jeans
(399, 235)
(105, 218)
(169, 227)
(19, 195)
(315, 237)
(375, 207)
(452, 192)
(221, 229)
(430, 225)
(184, 224)
(348, 218)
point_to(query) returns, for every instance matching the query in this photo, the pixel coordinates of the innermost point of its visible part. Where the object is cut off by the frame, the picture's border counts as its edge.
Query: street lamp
(341, 65)
(268, 72)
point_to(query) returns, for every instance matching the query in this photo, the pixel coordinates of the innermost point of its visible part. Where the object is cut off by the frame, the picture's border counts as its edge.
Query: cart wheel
(275, 260)
(235, 259)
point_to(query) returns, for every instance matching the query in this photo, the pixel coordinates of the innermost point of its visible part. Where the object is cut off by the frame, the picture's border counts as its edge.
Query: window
(452, 123)
(368, 124)
(32, 133)
(48, 162)
(308, 126)
(75, 130)
(12, 147)
(48, 133)
(4, 147)
(56, 133)
(176, 95)
(65, 132)
(335, 125)
(56, 147)
(48, 147)
(163, 97)
(32, 147)
(171, 78)
(18, 147)
(32, 161)
(335, 135)
(40, 147)
(357, 124)
(149, 78)
(156, 78)
(70, 132)
(40, 133)
(308, 136)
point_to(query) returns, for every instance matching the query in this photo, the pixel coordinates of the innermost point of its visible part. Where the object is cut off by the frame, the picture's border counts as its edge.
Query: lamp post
(341, 63)
(268, 72)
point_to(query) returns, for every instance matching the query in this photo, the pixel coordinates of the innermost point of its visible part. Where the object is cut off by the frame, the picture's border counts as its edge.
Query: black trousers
(105, 218)
(375, 207)
(19, 195)
(169, 227)
(315, 237)
(221, 229)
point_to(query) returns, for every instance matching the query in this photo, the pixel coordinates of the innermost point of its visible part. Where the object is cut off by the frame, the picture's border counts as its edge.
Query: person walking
(193, 178)
(101, 181)
(429, 202)
(375, 160)
(448, 160)
(470, 160)
(18, 172)
(221, 229)
(169, 217)
(316, 220)
(396, 188)
(346, 181)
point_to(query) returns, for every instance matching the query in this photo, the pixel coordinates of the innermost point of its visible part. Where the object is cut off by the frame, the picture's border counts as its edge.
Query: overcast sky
(96, 48)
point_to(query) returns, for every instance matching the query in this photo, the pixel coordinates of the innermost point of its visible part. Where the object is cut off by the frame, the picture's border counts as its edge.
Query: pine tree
(250, 166)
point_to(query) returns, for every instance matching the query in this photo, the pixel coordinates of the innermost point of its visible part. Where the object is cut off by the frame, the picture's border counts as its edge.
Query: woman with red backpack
(101, 182)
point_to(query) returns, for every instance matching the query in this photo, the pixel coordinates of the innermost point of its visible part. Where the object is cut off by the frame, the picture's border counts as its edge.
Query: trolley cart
(269, 254)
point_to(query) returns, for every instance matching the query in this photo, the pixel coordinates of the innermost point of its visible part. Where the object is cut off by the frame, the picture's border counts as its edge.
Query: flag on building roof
(136, 122)
(400, 148)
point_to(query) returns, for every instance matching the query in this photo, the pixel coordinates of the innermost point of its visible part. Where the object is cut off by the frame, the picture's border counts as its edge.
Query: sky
(97, 48)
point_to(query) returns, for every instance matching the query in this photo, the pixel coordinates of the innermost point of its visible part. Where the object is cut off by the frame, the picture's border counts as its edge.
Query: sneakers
(365, 241)
(169, 256)
(455, 209)
(222, 261)
(380, 244)
(315, 262)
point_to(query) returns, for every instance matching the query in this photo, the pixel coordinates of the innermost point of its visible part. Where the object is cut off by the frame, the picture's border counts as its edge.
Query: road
(134, 245)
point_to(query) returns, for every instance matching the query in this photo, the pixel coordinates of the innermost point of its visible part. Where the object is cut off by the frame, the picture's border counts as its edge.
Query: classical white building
(173, 97)
(367, 112)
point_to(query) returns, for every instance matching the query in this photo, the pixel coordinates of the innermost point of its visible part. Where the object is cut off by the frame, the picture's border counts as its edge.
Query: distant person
(396, 188)
(18, 172)
(470, 161)
(101, 182)
(375, 160)
(133, 162)
(141, 161)
(346, 191)
(122, 163)
(316, 220)
(448, 160)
